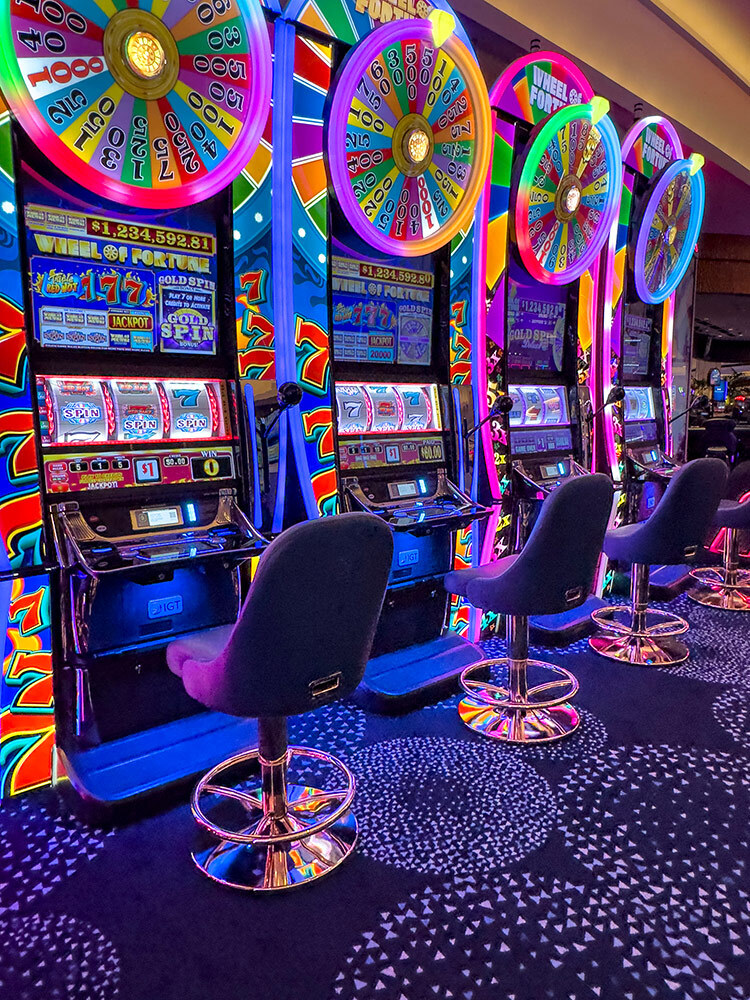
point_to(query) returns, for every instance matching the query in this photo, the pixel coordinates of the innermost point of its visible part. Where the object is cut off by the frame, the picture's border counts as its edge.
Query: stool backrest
(739, 481)
(306, 628)
(555, 569)
(678, 526)
(720, 431)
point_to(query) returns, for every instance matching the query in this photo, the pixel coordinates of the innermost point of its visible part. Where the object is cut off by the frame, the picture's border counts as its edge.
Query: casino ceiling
(689, 59)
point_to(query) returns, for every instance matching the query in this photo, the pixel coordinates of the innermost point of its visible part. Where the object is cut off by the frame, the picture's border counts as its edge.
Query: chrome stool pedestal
(641, 640)
(280, 835)
(519, 713)
(727, 587)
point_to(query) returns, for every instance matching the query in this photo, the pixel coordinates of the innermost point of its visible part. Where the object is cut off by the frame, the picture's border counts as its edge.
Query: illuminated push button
(572, 200)
(568, 197)
(145, 54)
(418, 145)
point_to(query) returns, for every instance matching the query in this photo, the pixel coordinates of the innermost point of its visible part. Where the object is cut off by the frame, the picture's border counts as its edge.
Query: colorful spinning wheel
(409, 138)
(154, 104)
(567, 192)
(668, 229)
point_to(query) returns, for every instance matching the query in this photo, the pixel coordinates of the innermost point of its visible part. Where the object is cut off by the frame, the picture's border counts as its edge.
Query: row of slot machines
(388, 309)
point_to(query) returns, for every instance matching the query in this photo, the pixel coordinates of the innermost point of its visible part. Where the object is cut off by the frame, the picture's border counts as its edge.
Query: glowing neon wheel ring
(153, 111)
(408, 138)
(667, 231)
(567, 193)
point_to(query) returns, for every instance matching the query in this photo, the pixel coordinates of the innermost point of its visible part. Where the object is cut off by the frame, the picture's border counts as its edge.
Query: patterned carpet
(614, 865)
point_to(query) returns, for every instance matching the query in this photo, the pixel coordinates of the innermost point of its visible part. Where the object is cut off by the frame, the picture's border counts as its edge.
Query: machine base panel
(409, 678)
(667, 582)
(567, 627)
(118, 772)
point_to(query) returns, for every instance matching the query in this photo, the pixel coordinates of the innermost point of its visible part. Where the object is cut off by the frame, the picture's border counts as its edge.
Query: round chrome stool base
(290, 863)
(722, 598)
(541, 725)
(641, 650)
(525, 709)
(262, 833)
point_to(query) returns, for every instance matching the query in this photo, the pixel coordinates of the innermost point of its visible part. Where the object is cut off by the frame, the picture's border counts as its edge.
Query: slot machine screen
(536, 324)
(640, 417)
(387, 407)
(540, 419)
(382, 311)
(637, 344)
(110, 281)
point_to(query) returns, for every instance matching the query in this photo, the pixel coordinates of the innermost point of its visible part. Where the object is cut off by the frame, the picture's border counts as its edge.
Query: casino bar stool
(728, 587)
(553, 572)
(302, 640)
(672, 535)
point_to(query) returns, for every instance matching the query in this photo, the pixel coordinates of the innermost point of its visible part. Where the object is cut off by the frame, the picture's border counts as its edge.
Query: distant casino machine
(643, 350)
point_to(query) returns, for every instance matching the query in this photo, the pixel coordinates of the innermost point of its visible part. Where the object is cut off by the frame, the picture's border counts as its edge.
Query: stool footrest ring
(536, 717)
(301, 836)
(667, 623)
(488, 693)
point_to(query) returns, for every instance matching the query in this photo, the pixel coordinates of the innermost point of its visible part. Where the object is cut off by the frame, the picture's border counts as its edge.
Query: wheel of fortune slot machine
(388, 145)
(550, 200)
(646, 339)
(132, 301)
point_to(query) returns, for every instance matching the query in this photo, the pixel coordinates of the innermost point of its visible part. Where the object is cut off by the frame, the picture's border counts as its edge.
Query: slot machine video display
(384, 292)
(122, 197)
(549, 201)
(650, 249)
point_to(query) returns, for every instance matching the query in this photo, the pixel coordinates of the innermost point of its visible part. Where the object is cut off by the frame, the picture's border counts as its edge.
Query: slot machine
(549, 201)
(124, 516)
(650, 248)
(387, 164)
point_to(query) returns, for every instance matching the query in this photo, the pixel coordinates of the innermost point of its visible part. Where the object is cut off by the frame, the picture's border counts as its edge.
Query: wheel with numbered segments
(409, 138)
(567, 191)
(668, 229)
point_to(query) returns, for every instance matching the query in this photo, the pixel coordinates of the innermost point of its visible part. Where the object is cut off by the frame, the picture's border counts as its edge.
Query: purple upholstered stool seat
(553, 572)
(302, 640)
(672, 535)
(727, 587)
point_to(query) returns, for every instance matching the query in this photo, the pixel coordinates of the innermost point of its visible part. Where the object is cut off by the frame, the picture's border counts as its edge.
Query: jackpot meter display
(100, 282)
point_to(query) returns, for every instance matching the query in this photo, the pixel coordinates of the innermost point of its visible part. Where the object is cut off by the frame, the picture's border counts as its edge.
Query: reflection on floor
(613, 865)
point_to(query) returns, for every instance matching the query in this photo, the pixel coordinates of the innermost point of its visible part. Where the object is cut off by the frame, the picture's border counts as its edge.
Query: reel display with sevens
(409, 136)
(668, 229)
(155, 110)
(567, 188)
